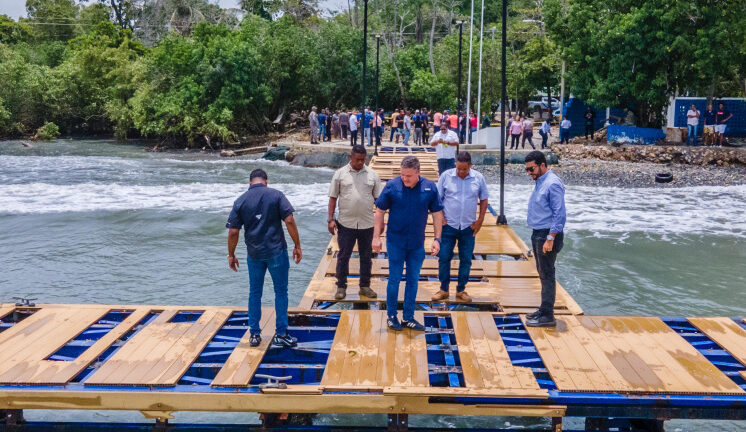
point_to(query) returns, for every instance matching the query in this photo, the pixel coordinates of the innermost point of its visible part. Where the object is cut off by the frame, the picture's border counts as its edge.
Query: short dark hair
(410, 162)
(258, 173)
(536, 156)
(358, 149)
(463, 157)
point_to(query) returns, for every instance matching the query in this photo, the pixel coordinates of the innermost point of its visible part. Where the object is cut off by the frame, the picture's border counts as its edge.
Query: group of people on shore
(716, 122)
(457, 205)
(404, 124)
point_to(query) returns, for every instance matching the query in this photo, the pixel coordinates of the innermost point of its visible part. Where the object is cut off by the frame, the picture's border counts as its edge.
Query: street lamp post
(365, 58)
(378, 47)
(460, 24)
(501, 219)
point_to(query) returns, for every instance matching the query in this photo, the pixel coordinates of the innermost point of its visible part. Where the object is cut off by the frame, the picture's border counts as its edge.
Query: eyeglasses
(531, 168)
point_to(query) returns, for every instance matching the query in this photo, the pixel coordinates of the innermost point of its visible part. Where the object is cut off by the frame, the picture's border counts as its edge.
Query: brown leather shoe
(463, 296)
(440, 295)
(367, 292)
(341, 293)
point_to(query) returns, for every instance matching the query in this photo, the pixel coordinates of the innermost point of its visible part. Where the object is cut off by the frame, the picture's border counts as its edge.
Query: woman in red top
(472, 125)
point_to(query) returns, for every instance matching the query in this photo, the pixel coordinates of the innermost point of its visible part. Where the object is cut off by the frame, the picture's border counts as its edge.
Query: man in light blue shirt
(461, 189)
(546, 216)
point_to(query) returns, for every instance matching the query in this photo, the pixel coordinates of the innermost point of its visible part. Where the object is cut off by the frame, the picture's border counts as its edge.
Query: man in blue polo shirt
(546, 216)
(461, 189)
(409, 198)
(260, 211)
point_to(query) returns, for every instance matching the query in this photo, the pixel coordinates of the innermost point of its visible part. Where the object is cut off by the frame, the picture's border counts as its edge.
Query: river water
(93, 221)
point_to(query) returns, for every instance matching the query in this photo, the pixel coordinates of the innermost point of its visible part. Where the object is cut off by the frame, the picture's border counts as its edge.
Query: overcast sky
(17, 8)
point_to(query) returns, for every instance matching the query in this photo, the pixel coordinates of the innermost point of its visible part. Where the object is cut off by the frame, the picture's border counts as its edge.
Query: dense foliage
(190, 72)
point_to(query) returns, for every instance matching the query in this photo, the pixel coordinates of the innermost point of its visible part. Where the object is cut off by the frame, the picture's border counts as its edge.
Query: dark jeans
(445, 164)
(353, 137)
(436, 129)
(398, 256)
(545, 267)
(379, 133)
(346, 238)
(465, 239)
(588, 131)
(344, 131)
(564, 135)
(544, 138)
(393, 132)
(515, 140)
(278, 266)
(529, 138)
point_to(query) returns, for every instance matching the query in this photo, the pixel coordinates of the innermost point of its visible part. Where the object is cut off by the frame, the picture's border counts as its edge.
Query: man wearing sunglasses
(546, 216)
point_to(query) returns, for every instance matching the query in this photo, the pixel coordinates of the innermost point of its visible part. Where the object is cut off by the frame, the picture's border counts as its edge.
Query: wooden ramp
(512, 295)
(628, 355)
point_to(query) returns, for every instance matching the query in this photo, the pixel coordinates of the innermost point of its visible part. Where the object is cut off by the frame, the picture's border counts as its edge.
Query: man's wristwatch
(550, 237)
(330, 220)
(437, 239)
(231, 256)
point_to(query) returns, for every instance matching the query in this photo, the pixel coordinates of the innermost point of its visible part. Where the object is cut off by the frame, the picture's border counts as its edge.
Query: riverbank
(585, 172)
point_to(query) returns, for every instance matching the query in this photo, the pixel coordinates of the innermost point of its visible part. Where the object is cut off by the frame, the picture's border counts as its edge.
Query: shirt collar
(363, 169)
(419, 182)
(543, 178)
(256, 185)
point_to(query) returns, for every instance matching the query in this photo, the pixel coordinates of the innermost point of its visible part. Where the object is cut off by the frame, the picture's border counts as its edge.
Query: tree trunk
(418, 24)
(390, 52)
(432, 36)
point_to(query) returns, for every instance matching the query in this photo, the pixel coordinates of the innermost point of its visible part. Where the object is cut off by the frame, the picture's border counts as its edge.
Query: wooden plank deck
(484, 357)
(479, 268)
(512, 295)
(160, 353)
(38, 370)
(726, 333)
(243, 361)
(27, 345)
(627, 355)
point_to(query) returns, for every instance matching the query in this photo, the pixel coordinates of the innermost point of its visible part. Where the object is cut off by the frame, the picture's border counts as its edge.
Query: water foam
(611, 211)
(85, 197)
(602, 211)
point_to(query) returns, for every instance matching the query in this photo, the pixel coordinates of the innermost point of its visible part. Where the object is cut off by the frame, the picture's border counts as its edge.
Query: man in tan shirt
(355, 188)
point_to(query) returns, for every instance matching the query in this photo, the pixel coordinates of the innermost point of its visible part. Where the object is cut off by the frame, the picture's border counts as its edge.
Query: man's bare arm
(293, 231)
(377, 230)
(332, 226)
(233, 235)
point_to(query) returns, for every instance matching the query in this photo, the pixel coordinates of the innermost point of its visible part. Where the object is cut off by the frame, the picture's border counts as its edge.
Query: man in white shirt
(565, 126)
(407, 126)
(354, 120)
(445, 142)
(692, 124)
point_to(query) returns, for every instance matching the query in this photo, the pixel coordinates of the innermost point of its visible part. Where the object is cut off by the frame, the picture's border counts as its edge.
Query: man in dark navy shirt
(260, 211)
(409, 198)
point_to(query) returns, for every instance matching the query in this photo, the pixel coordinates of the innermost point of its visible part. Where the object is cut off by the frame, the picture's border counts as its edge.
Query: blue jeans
(465, 239)
(366, 131)
(445, 164)
(393, 132)
(279, 266)
(564, 135)
(322, 131)
(407, 133)
(692, 134)
(398, 256)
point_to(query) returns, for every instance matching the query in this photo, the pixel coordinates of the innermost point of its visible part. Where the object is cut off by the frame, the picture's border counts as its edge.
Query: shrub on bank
(47, 132)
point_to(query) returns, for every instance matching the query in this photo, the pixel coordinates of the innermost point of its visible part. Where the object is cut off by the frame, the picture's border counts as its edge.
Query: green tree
(54, 19)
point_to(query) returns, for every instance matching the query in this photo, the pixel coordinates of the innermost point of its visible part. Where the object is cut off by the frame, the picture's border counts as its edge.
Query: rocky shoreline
(587, 172)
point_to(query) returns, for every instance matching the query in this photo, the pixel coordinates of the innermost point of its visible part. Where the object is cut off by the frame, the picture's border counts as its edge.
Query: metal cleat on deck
(273, 381)
(24, 301)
